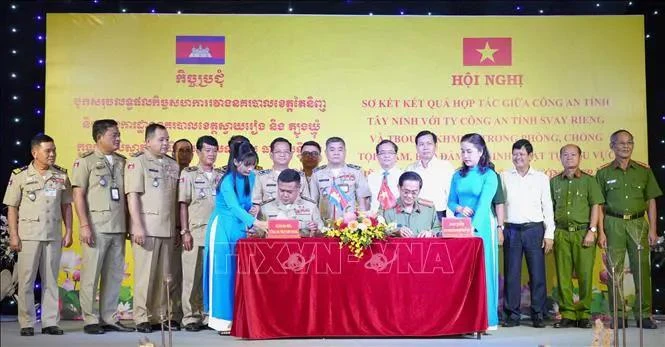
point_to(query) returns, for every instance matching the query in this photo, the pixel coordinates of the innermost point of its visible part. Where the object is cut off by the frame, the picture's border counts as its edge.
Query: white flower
(69, 260)
(381, 220)
(362, 226)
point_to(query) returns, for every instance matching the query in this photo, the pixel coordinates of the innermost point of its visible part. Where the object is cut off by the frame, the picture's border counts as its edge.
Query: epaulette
(319, 168)
(266, 201)
(59, 168)
(219, 170)
(18, 170)
(425, 202)
(645, 165)
(137, 154)
(353, 166)
(264, 172)
(558, 174)
(120, 155)
(605, 165)
(85, 154)
(306, 198)
(258, 167)
(192, 168)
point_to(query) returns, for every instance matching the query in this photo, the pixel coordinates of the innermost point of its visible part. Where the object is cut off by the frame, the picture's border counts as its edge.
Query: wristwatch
(183, 231)
(501, 226)
(593, 229)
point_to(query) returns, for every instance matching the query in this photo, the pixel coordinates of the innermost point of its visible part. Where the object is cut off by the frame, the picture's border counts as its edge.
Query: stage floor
(518, 336)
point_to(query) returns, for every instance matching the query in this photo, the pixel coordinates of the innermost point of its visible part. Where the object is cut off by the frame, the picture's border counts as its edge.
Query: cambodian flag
(200, 49)
(337, 197)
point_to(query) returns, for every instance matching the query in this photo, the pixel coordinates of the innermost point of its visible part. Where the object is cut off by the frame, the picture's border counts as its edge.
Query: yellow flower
(353, 225)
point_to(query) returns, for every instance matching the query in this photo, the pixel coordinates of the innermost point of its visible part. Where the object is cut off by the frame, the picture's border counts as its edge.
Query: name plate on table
(456, 227)
(283, 229)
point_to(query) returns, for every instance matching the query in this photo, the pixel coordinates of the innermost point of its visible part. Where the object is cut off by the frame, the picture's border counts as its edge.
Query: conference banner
(552, 80)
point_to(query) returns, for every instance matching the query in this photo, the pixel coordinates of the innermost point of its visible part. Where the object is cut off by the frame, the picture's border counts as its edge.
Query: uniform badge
(130, 166)
(155, 183)
(32, 196)
(102, 182)
(202, 193)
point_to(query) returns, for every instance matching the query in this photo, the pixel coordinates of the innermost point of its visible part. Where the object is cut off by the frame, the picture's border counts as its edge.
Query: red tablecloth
(401, 287)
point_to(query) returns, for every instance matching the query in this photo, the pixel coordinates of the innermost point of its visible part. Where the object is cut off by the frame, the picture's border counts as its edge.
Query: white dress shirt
(528, 199)
(436, 181)
(375, 179)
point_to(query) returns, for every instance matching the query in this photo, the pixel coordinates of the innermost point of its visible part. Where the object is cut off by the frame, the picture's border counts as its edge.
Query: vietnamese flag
(200, 49)
(487, 51)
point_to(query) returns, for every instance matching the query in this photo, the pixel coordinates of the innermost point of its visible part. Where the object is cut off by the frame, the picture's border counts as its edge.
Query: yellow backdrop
(553, 80)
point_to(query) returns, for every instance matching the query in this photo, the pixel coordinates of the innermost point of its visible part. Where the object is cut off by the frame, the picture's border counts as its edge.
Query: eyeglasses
(410, 192)
(387, 153)
(310, 154)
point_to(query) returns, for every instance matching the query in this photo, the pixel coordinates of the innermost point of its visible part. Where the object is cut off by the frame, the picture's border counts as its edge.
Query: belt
(625, 216)
(524, 225)
(571, 227)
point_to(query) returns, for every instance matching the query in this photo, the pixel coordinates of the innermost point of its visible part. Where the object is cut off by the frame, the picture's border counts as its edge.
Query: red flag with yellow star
(385, 197)
(487, 51)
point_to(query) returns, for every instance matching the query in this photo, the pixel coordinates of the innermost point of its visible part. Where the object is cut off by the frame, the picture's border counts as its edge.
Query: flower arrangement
(358, 230)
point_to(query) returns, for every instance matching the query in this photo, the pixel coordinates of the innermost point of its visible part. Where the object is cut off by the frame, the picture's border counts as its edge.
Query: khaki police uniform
(350, 180)
(422, 218)
(573, 198)
(198, 191)
(303, 209)
(103, 263)
(265, 187)
(626, 195)
(39, 200)
(155, 180)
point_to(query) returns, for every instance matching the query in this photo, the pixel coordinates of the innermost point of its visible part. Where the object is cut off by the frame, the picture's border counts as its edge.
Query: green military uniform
(303, 209)
(265, 187)
(197, 189)
(351, 181)
(155, 180)
(626, 195)
(39, 200)
(573, 197)
(422, 218)
(102, 179)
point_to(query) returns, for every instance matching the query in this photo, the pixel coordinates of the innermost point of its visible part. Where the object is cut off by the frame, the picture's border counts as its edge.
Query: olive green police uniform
(155, 179)
(103, 263)
(573, 198)
(197, 189)
(422, 218)
(626, 195)
(39, 200)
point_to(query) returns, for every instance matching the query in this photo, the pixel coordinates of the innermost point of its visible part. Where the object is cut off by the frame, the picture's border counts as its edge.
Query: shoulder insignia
(319, 168)
(119, 155)
(306, 198)
(258, 167)
(264, 202)
(264, 172)
(59, 168)
(192, 168)
(18, 170)
(644, 165)
(558, 174)
(353, 166)
(605, 165)
(219, 170)
(85, 154)
(137, 154)
(425, 202)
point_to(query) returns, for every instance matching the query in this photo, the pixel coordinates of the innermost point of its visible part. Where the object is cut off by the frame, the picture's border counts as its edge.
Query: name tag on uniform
(50, 192)
(115, 194)
(611, 181)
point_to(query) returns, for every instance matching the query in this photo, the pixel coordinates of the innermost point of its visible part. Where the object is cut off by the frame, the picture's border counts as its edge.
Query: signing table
(400, 287)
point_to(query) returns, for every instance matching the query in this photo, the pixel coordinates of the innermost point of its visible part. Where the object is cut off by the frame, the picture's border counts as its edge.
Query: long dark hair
(242, 152)
(479, 142)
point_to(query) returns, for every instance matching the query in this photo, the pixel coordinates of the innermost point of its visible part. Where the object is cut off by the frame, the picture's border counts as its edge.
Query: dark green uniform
(573, 197)
(626, 195)
(422, 218)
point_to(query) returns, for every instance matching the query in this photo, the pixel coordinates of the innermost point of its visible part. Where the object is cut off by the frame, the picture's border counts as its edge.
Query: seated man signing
(414, 217)
(289, 204)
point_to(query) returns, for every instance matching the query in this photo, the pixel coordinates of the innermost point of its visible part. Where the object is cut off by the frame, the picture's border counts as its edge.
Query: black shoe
(509, 323)
(175, 326)
(538, 323)
(117, 326)
(224, 332)
(52, 330)
(584, 324)
(27, 331)
(620, 323)
(93, 329)
(565, 323)
(193, 327)
(647, 323)
(144, 327)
